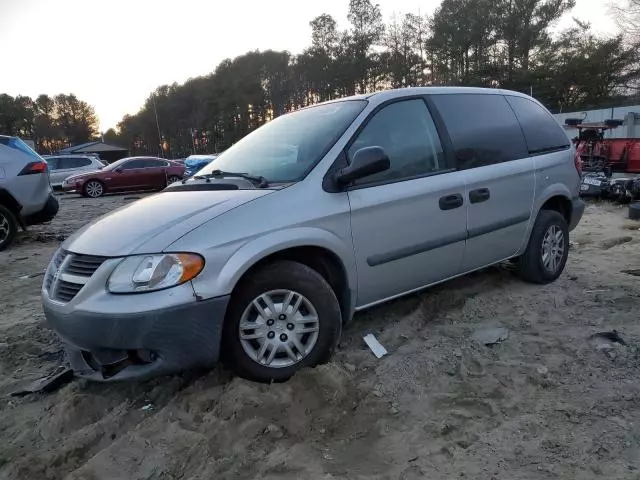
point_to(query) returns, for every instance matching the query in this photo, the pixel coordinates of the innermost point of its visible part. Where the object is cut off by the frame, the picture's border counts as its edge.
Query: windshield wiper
(258, 180)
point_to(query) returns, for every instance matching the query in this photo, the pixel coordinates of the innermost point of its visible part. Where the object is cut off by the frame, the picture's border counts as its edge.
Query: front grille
(70, 272)
(65, 291)
(83, 265)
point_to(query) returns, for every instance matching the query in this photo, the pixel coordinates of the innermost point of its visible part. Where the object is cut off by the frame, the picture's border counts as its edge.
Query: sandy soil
(549, 402)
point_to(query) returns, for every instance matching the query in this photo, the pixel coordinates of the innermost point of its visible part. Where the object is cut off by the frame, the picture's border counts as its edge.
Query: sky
(114, 53)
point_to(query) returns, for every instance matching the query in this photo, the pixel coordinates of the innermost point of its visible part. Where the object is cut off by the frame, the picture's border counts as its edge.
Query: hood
(79, 176)
(151, 224)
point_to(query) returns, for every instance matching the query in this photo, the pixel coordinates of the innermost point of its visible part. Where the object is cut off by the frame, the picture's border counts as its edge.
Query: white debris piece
(490, 336)
(372, 342)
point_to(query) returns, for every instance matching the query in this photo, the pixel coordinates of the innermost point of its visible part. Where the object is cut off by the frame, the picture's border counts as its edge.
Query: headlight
(148, 273)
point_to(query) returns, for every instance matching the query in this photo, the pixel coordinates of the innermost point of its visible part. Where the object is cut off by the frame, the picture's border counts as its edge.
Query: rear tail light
(33, 168)
(578, 162)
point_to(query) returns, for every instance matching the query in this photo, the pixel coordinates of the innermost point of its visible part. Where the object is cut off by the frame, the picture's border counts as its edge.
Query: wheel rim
(94, 189)
(279, 328)
(173, 179)
(4, 228)
(552, 248)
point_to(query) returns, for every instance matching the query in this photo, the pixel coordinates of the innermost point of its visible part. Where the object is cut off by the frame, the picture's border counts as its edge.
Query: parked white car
(62, 167)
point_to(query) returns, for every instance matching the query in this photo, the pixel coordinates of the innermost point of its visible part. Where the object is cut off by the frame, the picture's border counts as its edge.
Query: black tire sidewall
(531, 264)
(282, 275)
(13, 227)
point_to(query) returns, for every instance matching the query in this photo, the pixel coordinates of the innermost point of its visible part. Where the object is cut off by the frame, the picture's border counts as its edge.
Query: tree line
(51, 122)
(489, 43)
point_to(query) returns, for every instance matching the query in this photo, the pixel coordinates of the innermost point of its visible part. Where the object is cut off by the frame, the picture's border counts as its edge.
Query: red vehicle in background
(598, 154)
(128, 174)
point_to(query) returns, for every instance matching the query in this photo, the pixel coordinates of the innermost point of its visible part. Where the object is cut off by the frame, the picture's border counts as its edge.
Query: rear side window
(133, 164)
(52, 163)
(482, 127)
(74, 162)
(541, 131)
(154, 163)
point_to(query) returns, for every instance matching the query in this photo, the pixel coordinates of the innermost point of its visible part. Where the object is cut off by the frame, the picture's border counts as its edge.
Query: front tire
(8, 227)
(93, 189)
(282, 318)
(548, 249)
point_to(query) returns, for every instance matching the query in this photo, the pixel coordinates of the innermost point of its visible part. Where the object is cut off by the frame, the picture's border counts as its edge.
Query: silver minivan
(261, 259)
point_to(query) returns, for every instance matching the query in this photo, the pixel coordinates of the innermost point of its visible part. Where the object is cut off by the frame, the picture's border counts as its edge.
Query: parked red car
(133, 173)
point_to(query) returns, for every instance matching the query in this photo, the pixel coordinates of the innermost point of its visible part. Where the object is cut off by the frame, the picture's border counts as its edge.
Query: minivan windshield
(285, 149)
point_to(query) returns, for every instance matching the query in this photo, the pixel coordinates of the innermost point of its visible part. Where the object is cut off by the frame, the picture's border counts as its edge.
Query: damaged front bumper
(121, 346)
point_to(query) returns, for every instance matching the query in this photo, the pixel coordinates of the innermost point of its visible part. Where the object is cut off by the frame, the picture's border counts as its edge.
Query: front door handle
(449, 202)
(479, 195)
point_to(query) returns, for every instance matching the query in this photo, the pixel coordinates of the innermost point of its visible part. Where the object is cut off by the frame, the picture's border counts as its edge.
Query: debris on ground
(376, 347)
(31, 275)
(49, 384)
(634, 272)
(612, 336)
(490, 336)
(542, 370)
(614, 242)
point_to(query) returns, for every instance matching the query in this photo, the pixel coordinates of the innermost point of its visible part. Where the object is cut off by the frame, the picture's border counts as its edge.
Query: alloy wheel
(5, 228)
(94, 189)
(552, 248)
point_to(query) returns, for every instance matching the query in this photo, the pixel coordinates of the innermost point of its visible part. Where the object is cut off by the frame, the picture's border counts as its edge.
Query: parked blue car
(194, 163)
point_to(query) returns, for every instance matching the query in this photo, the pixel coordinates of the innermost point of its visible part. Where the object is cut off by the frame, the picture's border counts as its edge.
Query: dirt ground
(548, 402)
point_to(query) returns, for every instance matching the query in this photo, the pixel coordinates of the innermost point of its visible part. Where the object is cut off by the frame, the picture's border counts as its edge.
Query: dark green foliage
(490, 43)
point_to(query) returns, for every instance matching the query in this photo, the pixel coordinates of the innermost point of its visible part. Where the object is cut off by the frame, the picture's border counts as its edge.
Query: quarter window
(541, 131)
(483, 129)
(74, 162)
(406, 132)
(52, 163)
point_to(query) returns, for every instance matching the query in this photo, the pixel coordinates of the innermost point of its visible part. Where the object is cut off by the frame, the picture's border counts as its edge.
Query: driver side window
(133, 164)
(406, 132)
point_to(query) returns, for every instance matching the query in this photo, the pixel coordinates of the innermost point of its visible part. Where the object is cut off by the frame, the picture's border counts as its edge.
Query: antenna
(155, 111)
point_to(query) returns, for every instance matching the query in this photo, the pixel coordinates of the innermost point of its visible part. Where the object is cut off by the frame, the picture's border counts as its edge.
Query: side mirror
(118, 170)
(365, 162)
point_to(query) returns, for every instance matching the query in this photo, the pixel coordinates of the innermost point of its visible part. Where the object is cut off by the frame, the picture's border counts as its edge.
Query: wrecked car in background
(194, 163)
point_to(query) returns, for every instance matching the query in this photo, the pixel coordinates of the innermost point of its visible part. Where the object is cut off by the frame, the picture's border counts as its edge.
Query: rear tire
(302, 330)
(548, 249)
(8, 227)
(173, 179)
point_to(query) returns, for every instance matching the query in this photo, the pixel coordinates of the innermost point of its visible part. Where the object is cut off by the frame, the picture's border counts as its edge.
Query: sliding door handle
(449, 202)
(479, 195)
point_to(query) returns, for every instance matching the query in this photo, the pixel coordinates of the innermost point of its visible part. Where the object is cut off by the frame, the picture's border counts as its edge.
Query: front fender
(221, 279)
